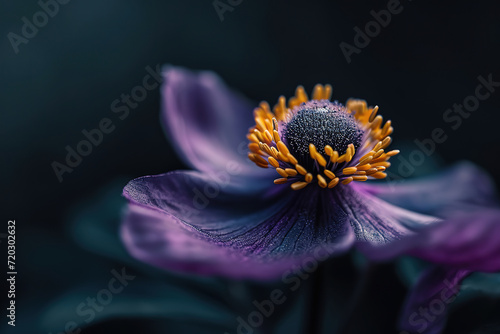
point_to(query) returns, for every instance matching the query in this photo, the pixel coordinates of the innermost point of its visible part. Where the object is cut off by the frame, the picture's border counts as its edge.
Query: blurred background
(62, 77)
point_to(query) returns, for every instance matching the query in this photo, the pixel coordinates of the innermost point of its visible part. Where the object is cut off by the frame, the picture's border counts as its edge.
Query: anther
(298, 185)
(349, 170)
(282, 148)
(281, 181)
(348, 180)
(333, 182)
(373, 114)
(321, 181)
(329, 174)
(300, 169)
(308, 177)
(273, 162)
(282, 172)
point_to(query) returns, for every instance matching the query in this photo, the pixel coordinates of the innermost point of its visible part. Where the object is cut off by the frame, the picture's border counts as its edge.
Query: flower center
(319, 140)
(321, 123)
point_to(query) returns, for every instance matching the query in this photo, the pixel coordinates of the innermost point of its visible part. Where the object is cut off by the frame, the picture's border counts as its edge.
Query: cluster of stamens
(364, 158)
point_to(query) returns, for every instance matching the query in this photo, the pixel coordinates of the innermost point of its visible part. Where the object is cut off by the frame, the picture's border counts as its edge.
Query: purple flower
(228, 216)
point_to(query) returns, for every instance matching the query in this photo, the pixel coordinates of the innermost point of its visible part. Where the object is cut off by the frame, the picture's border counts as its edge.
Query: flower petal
(468, 241)
(186, 221)
(376, 221)
(426, 308)
(206, 122)
(461, 187)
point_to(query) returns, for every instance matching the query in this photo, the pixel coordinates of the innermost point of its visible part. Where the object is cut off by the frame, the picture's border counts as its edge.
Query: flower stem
(314, 319)
(356, 299)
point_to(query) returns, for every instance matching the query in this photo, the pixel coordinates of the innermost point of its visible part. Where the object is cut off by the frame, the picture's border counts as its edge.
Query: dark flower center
(318, 141)
(321, 123)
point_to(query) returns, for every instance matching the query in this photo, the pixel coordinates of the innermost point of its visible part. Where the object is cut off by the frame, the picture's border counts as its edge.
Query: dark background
(64, 80)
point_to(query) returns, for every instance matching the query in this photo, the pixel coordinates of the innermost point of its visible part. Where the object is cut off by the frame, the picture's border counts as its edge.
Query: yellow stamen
(377, 147)
(321, 181)
(378, 154)
(334, 157)
(386, 127)
(257, 158)
(386, 142)
(392, 153)
(328, 150)
(364, 167)
(376, 122)
(265, 106)
(320, 159)
(318, 92)
(379, 175)
(276, 136)
(252, 137)
(254, 147)
(282, 172)
(373, 114)
(365, 160)
(282, 148)
(268, 136)
(282, 104)
(328, 92)
(273, 162)
(382, 163)
(348, 180)
(292, 159)
(312, 151)
(281, 181)
(282, 157)
(342, 158)
(351, 150)
(298, 185)
(309, 177)
(349, 170)
(269, 125)
(300, 169)
(333, 182)
(274, 152)
(301, 95)
(329, 174)
(261, 126)
(259, 135)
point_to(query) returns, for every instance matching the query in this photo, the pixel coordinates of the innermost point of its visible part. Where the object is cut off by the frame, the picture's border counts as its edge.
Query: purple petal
(186, 221)
(460, 188)
(206, 121)
(426, 308)
(376, 221)
(468, 241)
